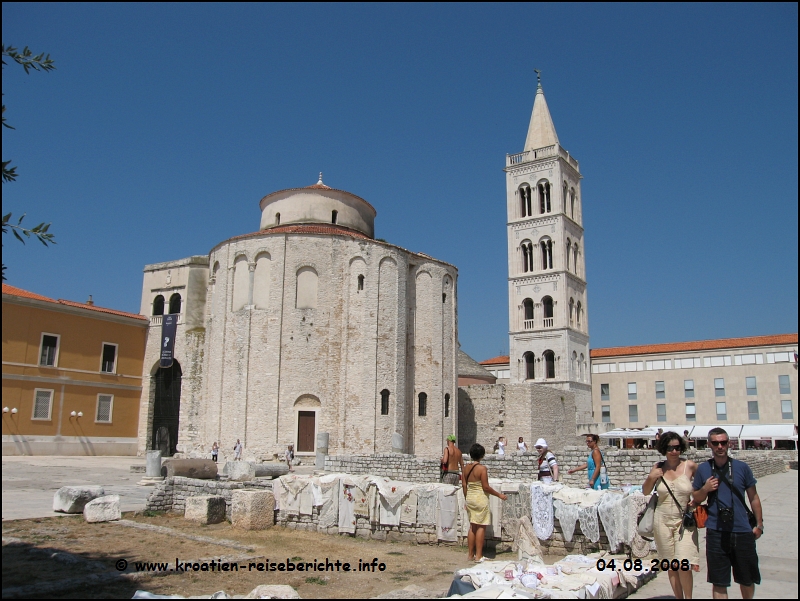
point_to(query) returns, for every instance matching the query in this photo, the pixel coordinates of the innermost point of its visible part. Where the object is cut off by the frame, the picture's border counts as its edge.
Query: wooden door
(306, 431)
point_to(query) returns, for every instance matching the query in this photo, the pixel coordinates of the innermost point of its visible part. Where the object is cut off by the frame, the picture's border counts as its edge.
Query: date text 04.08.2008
(636, 565)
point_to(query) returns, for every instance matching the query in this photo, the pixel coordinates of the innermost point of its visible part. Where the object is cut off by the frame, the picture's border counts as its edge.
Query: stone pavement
(777, 548)
(29, 483)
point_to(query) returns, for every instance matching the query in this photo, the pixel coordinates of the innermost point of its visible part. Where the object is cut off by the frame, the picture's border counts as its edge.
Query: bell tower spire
(541, 131)
(548, 327)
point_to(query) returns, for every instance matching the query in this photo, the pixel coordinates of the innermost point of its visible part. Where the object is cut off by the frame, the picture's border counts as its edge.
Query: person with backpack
(732, 528)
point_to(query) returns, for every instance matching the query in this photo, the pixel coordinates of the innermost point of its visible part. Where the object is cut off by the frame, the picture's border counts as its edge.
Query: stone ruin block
(205, 509)
(240, 471)
(102, 509)
(202, 469)
(271, 470)
(72, 499)
(252, 509)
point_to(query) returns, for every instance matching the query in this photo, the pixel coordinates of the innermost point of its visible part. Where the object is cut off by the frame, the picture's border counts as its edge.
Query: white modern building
(731, 381)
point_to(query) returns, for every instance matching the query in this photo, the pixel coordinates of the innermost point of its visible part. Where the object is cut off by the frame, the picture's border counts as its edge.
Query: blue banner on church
(169, 327)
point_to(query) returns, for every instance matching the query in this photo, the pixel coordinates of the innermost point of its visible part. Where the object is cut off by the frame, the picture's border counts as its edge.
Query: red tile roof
(698, 345)
(14, 291)
(502, 360)
(308, 228)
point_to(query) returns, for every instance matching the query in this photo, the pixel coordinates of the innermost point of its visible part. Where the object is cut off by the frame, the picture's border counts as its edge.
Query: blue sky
(165, 124)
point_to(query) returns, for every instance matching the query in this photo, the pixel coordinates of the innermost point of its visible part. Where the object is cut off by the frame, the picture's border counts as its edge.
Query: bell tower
(547, 306)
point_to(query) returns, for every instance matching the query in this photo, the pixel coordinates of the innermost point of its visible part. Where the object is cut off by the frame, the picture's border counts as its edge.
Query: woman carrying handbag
(673, 524)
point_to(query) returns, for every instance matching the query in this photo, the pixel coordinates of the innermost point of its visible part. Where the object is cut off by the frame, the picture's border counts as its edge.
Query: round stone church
(309, 325)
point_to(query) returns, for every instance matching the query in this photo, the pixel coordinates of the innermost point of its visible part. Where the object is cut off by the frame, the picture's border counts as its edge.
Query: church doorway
(306, 431)
(166, 409)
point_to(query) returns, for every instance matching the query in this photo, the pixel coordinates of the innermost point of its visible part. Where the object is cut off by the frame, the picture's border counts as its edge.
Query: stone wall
(624, 466)
(170, 494)
(631, 466)
(486, 412)
(396, 466)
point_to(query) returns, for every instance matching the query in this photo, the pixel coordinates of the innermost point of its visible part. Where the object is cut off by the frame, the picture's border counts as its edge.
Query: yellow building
(72, 376)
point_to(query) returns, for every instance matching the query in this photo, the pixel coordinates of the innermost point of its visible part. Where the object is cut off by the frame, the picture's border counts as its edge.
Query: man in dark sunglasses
(731, 528)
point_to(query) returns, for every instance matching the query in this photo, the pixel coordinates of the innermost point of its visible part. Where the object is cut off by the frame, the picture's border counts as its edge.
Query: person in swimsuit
(452, 462)
(672, 538)
(476, 492)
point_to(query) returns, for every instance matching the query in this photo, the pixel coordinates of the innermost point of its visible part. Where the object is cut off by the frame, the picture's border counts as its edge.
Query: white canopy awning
(630, 433)
(733, 430)
(776, 431)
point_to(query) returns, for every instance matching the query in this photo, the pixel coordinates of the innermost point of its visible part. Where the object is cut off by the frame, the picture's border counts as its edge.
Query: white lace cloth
(329, 512)
(426, 504)
(447, 514)
(590, 524)
(408, 509)
(392, 491)
(542, 508)
(567, 516)
(612, 512)
(347, 518)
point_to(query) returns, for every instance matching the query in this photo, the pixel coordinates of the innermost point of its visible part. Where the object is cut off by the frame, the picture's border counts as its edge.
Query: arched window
(544, 197)
(572, 203)
(447, 405)
(527, 310)
(564, 197)
(261, 281)
(241, 284)
(360, 282)
(334, 216)
(582, 368)
(158, 305)
(574, 365)
(569, 250)
(423, 404)
(575, 258)
(530, 361)
(277, 218)
(527, 256)
(214, 289)
(549, 364)
(384, 402)
(547, 253)
(547, 306)
(571, 311)
(525, 200)
(579, 314)
(175, 303)
(307, 282)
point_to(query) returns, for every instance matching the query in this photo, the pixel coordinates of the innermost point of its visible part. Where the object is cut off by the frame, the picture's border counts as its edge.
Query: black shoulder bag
(688, 516)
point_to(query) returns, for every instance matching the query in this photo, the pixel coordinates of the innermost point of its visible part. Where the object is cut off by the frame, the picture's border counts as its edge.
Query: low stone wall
(397, 466)
(631, 466)
(624, 465)
(170, 494)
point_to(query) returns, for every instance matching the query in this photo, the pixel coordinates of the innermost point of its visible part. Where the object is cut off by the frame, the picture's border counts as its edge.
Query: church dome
(317, 204)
